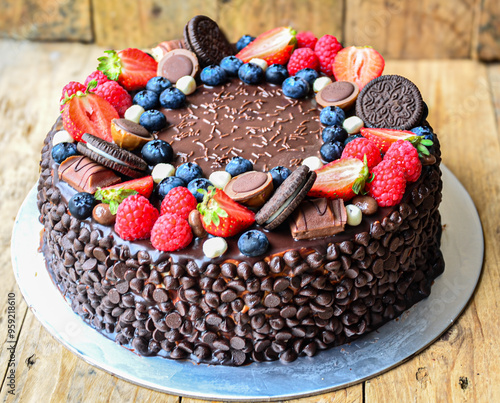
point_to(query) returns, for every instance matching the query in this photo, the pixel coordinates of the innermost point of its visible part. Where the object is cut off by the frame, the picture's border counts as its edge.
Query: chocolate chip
(281, 284)
(244, 270)
(288, 312)
(212, 299)
(219, 285)
(160, 295)
(228, 296)
(292, 258)
(136, 285)
(228, 270)
(272, 300)
(173, 320)
(213, 319)
(114, 296)
(276, 265)
(261, 269)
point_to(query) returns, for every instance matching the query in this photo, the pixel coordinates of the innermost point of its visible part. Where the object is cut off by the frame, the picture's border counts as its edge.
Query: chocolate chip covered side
(234, 311)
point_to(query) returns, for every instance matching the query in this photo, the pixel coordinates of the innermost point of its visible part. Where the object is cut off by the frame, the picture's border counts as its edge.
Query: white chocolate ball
(259, 62)
(186, 84)
(62, 136)
(353, 125)
(214, 247)
(219, 178)
(354, 215)
(320, 83)
(162, 171)
(313, 163)
(134, 113)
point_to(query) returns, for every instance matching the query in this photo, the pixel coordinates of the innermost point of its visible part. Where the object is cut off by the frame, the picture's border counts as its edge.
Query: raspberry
(360, 147)
(327, 48)
(178, 201)
(388, 185)
(302, 58)
(405, 155)
(97, 75)
(116, 95)
(135, 218)
(171, 233)
(306, 39)
(69, 90)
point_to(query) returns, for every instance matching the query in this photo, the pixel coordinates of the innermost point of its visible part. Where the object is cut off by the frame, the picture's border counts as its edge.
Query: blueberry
(199, 183)
(157, 152)
(238, 165)
(62, 151)
(172, 98)
(147, 99)
(279, 175)
(81, 205)
(332, 115)
(244, 41)
(334, 133)
(167, 184)
(153, 120)
(230, 65)
(250, 73)
(213, 75)
(351, 138)
(308, 74)
(158, 84)
(331, 151)
(295, 87)
(276, 74)
(189, 171)
(253, 243)
(425, 131)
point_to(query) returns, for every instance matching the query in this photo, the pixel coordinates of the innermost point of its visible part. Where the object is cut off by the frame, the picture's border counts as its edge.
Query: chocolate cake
(321, 282)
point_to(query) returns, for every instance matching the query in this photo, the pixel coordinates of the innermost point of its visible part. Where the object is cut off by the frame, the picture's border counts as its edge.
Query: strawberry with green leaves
(86, 112)
(384, 138)
(131, 67)
(340, 179)
(274, 46)
(221, 215)
(113, 197)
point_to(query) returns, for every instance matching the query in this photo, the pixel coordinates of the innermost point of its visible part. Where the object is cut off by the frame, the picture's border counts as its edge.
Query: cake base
(368, 356)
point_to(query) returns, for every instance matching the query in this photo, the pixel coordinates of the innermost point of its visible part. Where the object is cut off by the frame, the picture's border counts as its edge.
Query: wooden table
(463, 365)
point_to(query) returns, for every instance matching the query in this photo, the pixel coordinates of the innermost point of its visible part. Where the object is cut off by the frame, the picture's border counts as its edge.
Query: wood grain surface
(399, 29)
(462, 366)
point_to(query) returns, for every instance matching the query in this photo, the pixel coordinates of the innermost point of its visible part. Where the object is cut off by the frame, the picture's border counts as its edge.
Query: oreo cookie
(205, 39)
(391, 102)
(286, 199)
(112, 156)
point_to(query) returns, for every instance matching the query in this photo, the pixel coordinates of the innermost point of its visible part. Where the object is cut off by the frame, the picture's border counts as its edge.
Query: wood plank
(46, 20)
(143, 23)
(240, 17)
(494, 84)
(488, 35)
(463, 364)
(411, 30)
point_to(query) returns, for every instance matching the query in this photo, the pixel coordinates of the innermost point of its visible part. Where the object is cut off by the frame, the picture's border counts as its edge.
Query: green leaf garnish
(113, 197)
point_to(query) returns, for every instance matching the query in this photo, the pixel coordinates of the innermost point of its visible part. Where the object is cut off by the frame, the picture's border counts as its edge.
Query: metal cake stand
(372, 354)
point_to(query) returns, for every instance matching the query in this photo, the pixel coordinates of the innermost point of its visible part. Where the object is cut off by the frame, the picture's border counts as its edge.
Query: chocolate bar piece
(318, 218)
(85, 175)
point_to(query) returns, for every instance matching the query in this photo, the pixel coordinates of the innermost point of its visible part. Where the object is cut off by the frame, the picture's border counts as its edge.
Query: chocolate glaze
(254, 122)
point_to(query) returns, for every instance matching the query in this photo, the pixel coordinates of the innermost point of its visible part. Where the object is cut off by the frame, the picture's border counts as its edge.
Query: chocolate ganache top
(254, 122)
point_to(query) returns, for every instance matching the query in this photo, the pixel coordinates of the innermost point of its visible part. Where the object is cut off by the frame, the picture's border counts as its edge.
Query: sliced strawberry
(222, 216)
(358, 64)
(132, 68)
(274, 46)
(89, 113)
(143, 186)
(383, 138)
(340, 179)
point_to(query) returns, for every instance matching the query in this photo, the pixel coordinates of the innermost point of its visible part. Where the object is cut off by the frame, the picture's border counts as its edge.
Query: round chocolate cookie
(286, 199)
(204, 38)
(112, 156)
(391, 102)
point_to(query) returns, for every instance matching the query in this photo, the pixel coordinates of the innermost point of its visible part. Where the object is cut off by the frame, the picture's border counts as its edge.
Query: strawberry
(274, 46)
(340, 179)
(221, 215)
(358, 64)
(143, 186)
(89, 113)
(132, 68)
(383, 138)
